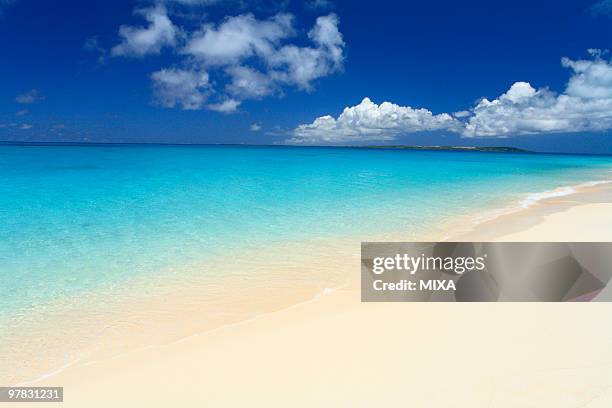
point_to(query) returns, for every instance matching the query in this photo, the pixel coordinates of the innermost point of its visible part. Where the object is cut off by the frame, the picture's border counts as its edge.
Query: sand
(335, 351)
(588, 223)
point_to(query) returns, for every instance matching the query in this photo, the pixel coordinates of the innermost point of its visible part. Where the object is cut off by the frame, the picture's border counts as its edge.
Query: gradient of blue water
(74, 217)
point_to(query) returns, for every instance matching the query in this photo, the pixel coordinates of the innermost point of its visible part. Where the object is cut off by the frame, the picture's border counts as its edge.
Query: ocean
(77, 218)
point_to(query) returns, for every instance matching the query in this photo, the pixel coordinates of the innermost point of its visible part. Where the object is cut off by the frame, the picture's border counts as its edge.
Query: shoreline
(554, 204)
(527, 211)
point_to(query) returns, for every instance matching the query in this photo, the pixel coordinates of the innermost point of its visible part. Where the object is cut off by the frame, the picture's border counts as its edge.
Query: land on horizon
(499, 149)
(458, 148)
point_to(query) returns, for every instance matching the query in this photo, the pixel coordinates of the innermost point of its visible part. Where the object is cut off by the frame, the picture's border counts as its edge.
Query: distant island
(503, 149)
(499, 149)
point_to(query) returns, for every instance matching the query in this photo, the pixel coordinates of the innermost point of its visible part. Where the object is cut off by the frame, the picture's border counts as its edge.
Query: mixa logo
(422, 285)
(437, 284)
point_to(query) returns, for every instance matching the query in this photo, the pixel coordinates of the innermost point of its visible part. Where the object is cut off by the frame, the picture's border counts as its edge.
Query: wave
(532, 199)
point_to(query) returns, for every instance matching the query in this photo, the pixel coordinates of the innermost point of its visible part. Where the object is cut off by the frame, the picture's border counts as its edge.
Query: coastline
(321, 312)
(531, 210)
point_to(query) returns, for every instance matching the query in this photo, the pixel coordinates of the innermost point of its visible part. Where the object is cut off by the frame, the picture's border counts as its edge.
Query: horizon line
(390, 147)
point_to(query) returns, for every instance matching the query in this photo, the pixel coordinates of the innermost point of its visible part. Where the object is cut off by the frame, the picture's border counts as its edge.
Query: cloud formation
(177, 87)
(226, 106)
(248, 83)
(140, 41)
(369, 121)
(241, 56)
(252, 54)
(584, 106)
(32, 96)
(238, 38)
(302, 65)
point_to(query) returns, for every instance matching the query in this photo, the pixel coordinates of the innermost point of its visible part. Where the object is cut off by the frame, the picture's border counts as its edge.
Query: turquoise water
(73, 218)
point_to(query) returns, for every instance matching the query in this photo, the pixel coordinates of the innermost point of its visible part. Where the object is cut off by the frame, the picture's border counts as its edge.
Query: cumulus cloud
(325, 33)
(461, 114)
(177, 87)
(301, 65)
(227, 106)
(245, 57)
(591, 79)
(248, 83)
(32, 96)
(369, 121)
(238, 38)
(141, 41)
(584, 106)
(255, 127)
(242, 41)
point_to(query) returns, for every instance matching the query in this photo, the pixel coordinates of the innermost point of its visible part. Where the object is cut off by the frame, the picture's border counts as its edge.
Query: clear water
(73, 218)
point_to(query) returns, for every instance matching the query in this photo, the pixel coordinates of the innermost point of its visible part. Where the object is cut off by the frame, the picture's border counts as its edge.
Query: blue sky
(232, 71)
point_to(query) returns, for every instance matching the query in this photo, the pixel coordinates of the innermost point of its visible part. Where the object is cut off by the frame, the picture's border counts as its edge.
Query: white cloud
(461, 114)
(255, 127)
(246, 57)
(301, 65)
(32, 96)
(325, 33)
(591, 79)
(585, 105)
(22, 112)
(242, 37)
(140, 41)
(25, 126)
(369, 121)
(248, 83)
(177, 87)
(238, 38)
(227, 106)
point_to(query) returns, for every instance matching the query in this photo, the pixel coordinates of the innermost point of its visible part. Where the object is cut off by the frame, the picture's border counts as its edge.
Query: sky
(529, 74)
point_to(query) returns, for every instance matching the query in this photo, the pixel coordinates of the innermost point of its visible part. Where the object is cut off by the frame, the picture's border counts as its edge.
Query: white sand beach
(336, 351)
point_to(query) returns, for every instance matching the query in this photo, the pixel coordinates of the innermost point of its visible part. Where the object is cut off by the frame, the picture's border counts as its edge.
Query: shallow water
(74, 218)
